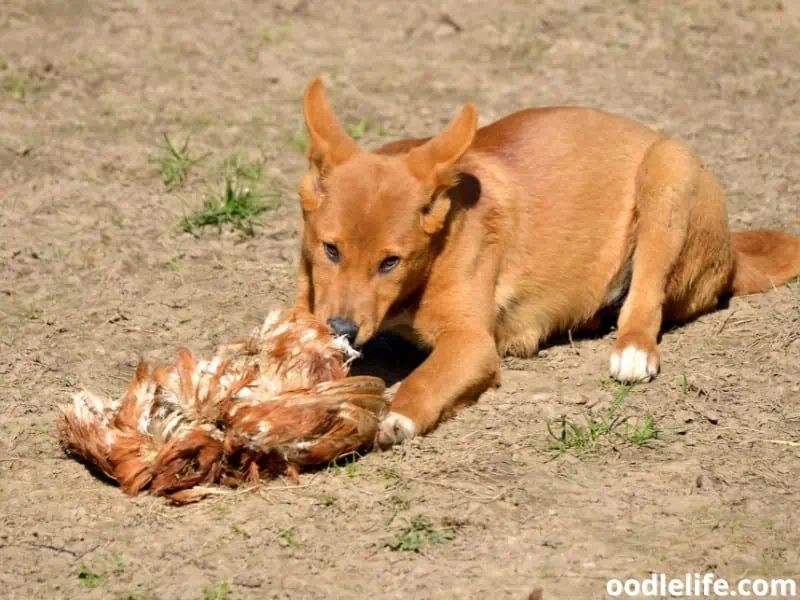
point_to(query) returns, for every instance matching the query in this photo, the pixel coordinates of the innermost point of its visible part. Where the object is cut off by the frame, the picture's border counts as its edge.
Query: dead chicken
(268, 405)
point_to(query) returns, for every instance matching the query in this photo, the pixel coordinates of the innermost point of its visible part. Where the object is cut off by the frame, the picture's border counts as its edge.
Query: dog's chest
(504, 296)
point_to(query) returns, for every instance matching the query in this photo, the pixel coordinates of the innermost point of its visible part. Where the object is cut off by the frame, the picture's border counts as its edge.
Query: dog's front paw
(631, 364)
(394, 429)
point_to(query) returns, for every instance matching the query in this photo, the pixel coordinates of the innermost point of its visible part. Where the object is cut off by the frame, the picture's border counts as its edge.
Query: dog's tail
(765, 258)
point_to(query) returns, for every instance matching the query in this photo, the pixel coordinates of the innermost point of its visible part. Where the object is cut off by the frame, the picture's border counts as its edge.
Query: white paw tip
(396, 427)
(401, 423)
(633, 364)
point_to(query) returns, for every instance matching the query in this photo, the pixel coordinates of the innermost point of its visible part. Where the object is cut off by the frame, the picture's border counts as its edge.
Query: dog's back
(560, 183)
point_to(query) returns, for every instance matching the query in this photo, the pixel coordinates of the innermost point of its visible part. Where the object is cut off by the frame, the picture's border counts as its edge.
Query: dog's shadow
(393, 358)
(389, 357)
(607, 324)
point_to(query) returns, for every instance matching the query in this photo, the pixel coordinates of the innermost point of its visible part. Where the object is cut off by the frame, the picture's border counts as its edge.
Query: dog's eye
(331, 251)
(388, 263)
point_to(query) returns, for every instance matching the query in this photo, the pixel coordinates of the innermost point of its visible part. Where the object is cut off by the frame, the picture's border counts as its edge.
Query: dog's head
(372, 221)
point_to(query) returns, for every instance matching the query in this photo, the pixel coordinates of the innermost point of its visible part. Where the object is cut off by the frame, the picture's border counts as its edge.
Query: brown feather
(86, 441)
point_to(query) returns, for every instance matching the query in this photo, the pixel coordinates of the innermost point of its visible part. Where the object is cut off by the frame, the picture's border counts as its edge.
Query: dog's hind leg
(666, 190)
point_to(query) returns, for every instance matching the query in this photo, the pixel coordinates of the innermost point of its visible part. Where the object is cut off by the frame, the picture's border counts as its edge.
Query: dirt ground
(94, 274)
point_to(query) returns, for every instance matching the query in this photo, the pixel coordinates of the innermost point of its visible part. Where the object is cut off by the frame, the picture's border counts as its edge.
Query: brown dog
(480, 243)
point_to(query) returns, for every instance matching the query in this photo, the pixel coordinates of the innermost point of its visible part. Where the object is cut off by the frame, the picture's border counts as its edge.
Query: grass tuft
(219, 591)
(31, 312)
(358, 129)
(611, 428)
(347, 464)
(87, 578)
(236, 530)
(287, 536)
(363, 127)
(236, 205)
(235, 168)
(417, 534)
(175, 163)
(643, 432)
(17, 86)
(119, 563)
(400, 503)
(299, 140)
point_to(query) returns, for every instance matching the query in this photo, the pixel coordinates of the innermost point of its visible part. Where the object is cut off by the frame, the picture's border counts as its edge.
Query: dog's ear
(432, 163)
(328, 143)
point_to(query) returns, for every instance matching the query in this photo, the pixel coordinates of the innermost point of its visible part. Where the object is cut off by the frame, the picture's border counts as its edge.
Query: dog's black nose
(345, 327)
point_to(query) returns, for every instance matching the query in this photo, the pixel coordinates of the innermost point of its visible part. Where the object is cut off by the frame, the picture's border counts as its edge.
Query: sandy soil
(93, 275)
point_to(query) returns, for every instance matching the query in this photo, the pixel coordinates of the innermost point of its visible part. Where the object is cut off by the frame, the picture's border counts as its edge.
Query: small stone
(248, 581)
